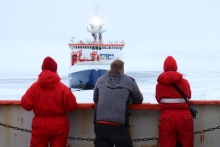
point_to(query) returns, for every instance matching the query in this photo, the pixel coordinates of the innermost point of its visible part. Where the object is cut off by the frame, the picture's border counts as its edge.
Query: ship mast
(96, 27)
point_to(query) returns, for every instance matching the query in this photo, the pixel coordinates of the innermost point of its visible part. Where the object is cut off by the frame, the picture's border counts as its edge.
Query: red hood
(48, 79)
(169, 77)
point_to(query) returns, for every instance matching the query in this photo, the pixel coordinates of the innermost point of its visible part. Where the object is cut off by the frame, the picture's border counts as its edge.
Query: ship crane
(76, 57)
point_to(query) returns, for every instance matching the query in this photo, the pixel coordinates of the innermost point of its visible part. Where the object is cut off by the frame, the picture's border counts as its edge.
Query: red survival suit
(49, 99)
(176, 122)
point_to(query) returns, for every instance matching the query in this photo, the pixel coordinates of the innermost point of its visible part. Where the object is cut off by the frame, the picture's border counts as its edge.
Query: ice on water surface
(204, 84)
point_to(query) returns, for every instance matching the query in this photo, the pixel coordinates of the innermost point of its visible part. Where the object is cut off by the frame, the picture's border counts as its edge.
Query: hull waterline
(85, 79)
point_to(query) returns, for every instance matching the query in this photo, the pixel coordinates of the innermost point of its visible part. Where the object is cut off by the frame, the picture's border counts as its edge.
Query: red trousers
(53, 129)
(176, 124)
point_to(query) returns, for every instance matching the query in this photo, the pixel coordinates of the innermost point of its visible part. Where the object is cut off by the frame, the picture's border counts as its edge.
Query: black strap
(114, 87)
(181, 92)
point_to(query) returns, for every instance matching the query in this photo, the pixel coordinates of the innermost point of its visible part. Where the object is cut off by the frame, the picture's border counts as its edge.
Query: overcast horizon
(188, 30)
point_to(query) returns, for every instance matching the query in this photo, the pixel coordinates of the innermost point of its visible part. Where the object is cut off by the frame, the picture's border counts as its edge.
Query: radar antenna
(96, 26)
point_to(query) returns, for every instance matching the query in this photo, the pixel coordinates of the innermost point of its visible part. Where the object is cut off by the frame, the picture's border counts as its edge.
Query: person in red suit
(49, 99)
(176, 121)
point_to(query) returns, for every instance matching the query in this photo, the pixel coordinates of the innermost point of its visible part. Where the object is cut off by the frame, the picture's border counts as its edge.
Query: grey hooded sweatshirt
(113, 94)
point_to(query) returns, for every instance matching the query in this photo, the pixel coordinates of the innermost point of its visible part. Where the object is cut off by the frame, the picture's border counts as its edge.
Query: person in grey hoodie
(113, 94)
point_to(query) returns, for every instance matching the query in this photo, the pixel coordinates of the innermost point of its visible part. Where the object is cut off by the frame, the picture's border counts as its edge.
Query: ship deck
(143, 124)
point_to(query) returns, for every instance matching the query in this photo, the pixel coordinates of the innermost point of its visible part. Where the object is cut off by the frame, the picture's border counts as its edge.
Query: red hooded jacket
(164, 88)
(48, 96)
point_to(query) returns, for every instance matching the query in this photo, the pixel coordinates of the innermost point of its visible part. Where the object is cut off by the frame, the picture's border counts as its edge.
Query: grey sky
(31, 30)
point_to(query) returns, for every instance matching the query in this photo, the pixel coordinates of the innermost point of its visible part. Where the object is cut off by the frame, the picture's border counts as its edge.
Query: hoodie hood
(170, 64)
(169, 77)
(48, 79)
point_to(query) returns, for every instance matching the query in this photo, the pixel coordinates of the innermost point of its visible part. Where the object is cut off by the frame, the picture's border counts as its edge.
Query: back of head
(49, 64)
(117, 67)
(170, 64)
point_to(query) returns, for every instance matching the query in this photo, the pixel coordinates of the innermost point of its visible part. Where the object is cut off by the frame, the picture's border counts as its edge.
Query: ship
(91, 58)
